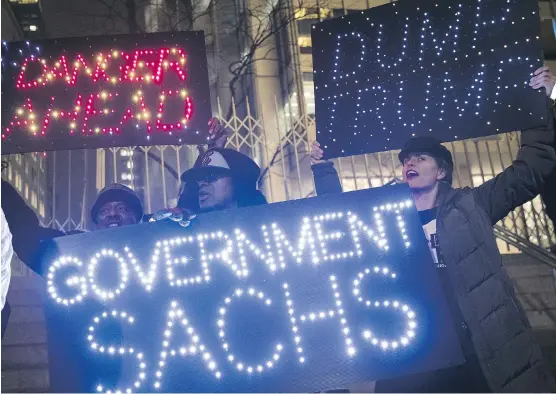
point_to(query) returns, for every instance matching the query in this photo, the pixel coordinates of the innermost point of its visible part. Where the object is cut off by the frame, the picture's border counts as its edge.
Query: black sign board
(105, 91)
(301, 296)
(451, 69)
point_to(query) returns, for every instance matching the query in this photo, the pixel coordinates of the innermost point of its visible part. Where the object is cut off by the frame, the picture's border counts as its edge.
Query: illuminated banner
(450, 69)
(104, 91)
(301, 296)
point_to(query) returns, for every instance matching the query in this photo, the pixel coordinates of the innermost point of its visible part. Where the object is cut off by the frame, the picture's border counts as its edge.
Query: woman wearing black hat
(500, 350)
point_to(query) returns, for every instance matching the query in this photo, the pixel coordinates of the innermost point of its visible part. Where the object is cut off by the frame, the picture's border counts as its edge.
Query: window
(24, 1)
(33, 199)
(304, 26)
(30, 28)
(309, 94)
(305, 44)
(336, 12)
(307, 77)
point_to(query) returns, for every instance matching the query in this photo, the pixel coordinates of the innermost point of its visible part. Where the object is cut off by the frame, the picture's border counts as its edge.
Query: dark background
(58, 137)
(377, 94)
(254, 330)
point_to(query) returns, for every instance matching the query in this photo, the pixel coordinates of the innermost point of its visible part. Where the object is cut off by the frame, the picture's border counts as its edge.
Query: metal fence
(62, 186)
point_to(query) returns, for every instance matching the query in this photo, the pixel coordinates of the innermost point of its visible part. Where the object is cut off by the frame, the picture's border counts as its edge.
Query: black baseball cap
(241, 168)
(117, 192)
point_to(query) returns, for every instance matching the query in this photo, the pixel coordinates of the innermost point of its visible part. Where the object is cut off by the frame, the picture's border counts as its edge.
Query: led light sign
(302, 296)
(451, 69)
(105, 91)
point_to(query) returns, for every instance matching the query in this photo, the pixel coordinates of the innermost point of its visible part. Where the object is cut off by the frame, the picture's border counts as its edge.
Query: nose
(113, 213)
(411, 162)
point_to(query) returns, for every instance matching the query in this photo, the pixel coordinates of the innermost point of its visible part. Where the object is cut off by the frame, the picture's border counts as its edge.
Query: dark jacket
(27, 234)
(502, 337)
(24, 225)
(549, 193)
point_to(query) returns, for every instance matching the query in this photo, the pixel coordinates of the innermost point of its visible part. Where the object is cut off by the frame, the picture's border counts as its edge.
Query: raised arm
(325, 175)
(25, 228)
(527, 176)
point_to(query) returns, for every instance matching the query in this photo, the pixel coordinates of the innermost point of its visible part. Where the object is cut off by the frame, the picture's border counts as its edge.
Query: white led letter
(116, 350)
(327, 237)
(178, 320)
(242, 243)
(164, 249)
(275, 250)
(123, 272)
(145, 278)
(334, 312)
(408, 334)
(78, 281)
(378, 234)
(240, 365)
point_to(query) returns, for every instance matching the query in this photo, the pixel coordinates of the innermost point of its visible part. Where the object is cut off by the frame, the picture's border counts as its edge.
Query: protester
(220, 179)
(497, 339)
(26, 233)
(112, 208)
(24, 225)
(116, 205)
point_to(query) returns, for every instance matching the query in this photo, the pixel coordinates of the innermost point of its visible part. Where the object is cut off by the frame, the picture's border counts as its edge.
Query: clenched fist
(217, 134)
(316, 154)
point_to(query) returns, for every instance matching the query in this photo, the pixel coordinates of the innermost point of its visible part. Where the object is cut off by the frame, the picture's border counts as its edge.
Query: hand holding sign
(451, 70)
(543, 78)
(107, 91)
(287, 297)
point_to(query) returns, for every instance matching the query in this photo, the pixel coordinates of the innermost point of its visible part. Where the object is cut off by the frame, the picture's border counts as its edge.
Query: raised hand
(316, 154)
(218, 136)
(543, 78)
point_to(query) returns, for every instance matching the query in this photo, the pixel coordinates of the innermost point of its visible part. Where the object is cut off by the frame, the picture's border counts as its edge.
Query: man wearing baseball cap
(226, 179)
(116, 205)
(220, 179)
(497, 340)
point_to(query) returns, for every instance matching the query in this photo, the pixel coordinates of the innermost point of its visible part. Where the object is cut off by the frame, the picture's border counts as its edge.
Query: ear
(441, 174)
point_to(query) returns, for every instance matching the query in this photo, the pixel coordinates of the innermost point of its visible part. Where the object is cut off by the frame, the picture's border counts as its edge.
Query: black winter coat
(502, 337)
(549, 192)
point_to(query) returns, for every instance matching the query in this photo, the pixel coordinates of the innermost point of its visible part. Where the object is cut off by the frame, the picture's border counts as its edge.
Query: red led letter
(183, 111)
(22, 81)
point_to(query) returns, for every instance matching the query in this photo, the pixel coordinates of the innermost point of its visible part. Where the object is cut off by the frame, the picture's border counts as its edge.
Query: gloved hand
(174, 214)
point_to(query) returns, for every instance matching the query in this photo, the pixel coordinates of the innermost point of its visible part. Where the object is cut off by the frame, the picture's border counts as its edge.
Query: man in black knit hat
(116, 205)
